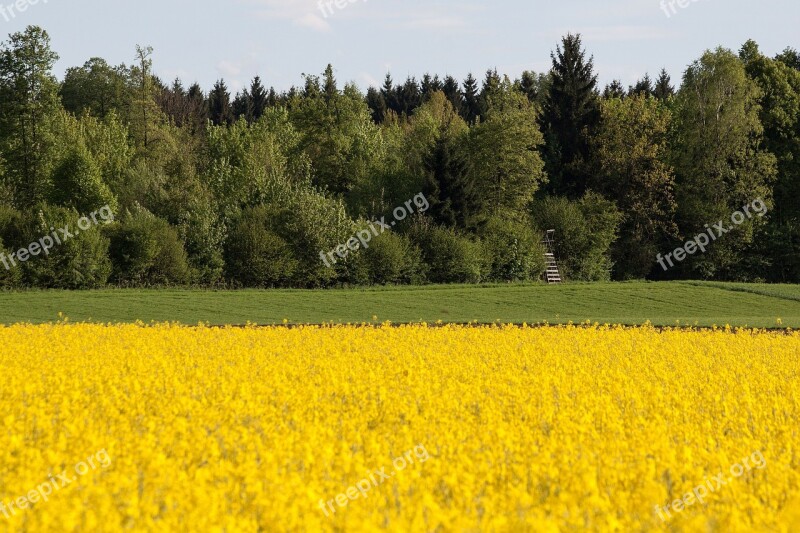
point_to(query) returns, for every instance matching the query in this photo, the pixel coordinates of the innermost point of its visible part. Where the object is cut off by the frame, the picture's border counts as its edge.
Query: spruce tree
(614, 90)
(663, 89)
(453, 200)
(258, 98)
(430, 85)
(489, 92)
(471, 103)
(643, 87)
(571, 114)
(452, 92)
(219, 104)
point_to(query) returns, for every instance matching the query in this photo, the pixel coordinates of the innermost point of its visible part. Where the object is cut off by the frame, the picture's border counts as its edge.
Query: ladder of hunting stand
(551, 274)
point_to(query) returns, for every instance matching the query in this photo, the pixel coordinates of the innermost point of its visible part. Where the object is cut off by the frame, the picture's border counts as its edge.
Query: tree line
(246, 190)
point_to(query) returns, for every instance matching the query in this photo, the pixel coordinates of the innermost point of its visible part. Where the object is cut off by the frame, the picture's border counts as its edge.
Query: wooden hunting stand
(551, 274)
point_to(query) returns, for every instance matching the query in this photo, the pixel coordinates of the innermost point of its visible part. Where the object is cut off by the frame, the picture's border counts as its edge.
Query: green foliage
(514, 250)
(256, 256)
(28, 92)
(449, 257)
(719, 161)
(96, 88)
(77, 183)
(505, 164)
(339, 136)
(631, 151)
(570, 115)
(146, 250)
(299, 172)
(584, 233)
(253, 164)
(79, 262)
(393, 259)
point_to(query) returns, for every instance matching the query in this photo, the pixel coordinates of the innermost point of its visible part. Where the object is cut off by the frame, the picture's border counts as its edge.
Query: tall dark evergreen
(429, 85)
(571, 114)
(258, 98)
(471, 99)
(219, 104)
(643, 87)
(663, 89)
(389, 94)
(409, 96)
(377, 105)
(490, 91)
(453, 201)
(453, 93)
(242, 106)
(614, 90)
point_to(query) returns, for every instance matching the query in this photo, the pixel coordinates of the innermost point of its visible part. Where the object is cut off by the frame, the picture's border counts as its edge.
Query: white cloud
(617, 33)
(229, 68)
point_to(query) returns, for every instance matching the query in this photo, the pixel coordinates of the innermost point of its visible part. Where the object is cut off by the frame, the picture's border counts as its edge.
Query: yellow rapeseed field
(413, 428)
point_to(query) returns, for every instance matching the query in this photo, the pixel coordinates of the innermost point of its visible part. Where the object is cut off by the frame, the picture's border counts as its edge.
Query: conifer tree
(570, 116)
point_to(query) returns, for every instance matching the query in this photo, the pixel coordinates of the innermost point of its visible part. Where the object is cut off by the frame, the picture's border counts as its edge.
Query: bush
(255, 255)
(514, 251)
(145, 250)
(78, 262)
(584, 233)
(78, 183)
(448, 256)
(10, 276)
(392, 259)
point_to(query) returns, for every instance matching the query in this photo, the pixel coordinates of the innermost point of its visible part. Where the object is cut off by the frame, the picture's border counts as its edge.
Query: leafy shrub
(584, 233)
(392, 259)
(514, 250)
(448, 256)
(256, 256)
(145, 250)
(78, 262)
(78, 183)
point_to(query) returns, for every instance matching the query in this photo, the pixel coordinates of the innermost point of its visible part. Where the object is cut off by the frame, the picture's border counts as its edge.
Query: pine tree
(614, 90)
(258, 97)
(453, 201)
(329, 89)
(219, 104)
(377, 105)
(471, 103)
(663, 89)
(490, 91)
(430, 85)
(242, 106)
(409, 96)
(390, 94)
(643, 87)
(198, 108)
(529, 85)
(570, 116)
(452, 92)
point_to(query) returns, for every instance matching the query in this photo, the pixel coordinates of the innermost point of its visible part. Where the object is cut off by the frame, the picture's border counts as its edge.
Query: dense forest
(248, 190)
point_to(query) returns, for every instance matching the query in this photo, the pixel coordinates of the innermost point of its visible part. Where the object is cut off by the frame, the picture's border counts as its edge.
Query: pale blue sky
(201, 40)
